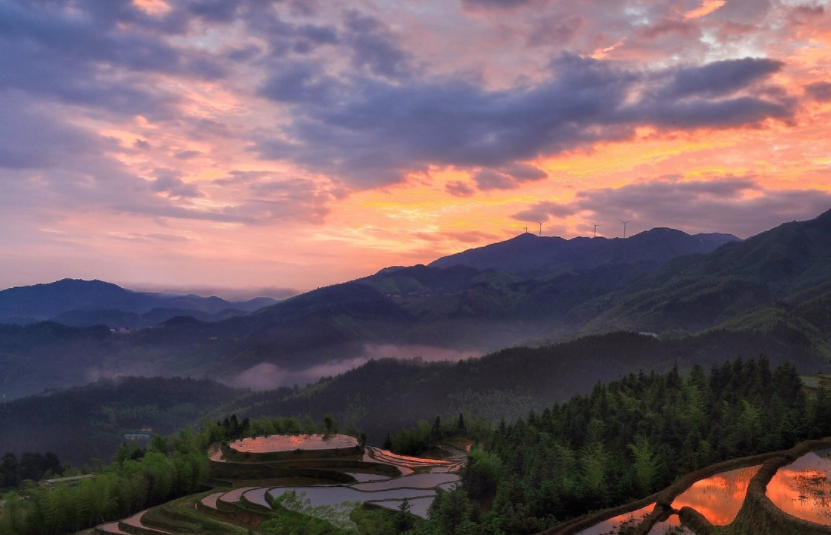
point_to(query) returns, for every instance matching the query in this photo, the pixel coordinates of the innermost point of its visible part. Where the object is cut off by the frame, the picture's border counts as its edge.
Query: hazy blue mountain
(529, 254)
(85, 303)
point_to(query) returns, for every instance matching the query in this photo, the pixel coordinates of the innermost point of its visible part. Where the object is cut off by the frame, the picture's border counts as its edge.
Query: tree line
(624, 441)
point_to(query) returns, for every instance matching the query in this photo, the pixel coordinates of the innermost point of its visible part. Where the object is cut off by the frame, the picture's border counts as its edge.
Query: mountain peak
(528, 253)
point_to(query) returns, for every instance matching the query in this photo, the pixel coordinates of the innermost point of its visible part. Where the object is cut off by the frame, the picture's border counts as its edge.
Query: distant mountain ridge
(775, 286)
(529, 254)
(83, 303)
(789, 264)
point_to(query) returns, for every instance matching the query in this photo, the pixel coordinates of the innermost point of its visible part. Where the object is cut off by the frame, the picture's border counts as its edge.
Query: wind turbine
(624, 226)
(595, 229)
(540, 228)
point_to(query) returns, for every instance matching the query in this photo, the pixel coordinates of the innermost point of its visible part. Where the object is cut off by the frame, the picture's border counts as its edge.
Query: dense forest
(625, 440)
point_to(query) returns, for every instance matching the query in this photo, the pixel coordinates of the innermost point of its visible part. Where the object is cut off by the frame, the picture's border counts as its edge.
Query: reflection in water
(718, 497)
(670, 526)
(803, 488)
(614, 524)
(276, 443)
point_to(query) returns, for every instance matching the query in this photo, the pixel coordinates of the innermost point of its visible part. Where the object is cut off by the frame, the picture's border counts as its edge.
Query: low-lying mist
(267, 376)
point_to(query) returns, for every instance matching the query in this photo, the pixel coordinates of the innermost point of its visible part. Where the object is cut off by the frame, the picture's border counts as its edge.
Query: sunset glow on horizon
(297, 143)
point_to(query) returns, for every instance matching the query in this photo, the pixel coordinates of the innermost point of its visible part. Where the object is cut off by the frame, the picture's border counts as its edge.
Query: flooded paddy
(215, 454)
(670, 526)
(285, 443)
(135, 522)
(803, 488)
(337, 495)
(233, 496)
(210, 500)
(366, 478)
(257, 497)
(112, 527)
(718, 497)
(612, 525)
(415, 481)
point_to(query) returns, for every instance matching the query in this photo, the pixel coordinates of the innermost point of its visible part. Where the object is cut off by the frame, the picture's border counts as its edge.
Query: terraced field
(377, 478)
(780, 493)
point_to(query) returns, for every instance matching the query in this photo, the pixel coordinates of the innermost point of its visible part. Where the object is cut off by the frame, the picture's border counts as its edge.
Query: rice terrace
(269, 480)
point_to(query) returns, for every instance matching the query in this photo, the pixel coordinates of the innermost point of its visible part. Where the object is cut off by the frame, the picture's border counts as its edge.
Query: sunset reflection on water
(612, 524)
(278, 443)
(718, 497)
(803, 488)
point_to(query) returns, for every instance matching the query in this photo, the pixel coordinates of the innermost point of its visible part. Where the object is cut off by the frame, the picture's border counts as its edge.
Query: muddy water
(718, 497)
(803, 488)
(613, 524)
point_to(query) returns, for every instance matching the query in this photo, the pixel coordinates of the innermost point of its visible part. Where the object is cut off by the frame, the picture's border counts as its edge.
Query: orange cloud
(707, 7)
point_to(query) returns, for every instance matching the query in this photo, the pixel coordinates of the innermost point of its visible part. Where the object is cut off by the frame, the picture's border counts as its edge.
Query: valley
(581, 386)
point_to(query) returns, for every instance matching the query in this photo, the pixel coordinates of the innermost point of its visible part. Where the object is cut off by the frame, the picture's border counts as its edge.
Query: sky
(263, 145)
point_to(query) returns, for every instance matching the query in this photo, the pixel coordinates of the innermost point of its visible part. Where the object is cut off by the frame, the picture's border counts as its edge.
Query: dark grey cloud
(299, 83)
(717, 205)
(169, 182)
(373, 131)
(95, 54)
(487, 179)
(374, 47)
(457, 188)
(32, 139)
(820, 91)
(507, 176)
(719, 78)
(555, 30)
(523, 172)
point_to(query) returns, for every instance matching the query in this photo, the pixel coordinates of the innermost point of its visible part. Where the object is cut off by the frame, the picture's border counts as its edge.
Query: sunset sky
(291, 144)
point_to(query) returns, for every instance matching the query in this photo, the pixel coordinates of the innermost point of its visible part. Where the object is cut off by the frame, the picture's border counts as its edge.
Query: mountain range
(529, 255)
(775, 286)
(81, 303)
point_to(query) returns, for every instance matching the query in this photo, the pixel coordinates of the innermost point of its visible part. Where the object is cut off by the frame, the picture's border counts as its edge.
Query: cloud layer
(297, 135)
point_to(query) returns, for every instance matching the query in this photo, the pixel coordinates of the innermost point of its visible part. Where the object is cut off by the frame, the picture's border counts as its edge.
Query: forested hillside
(625, 440)
(85, 423)
(389, 394)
